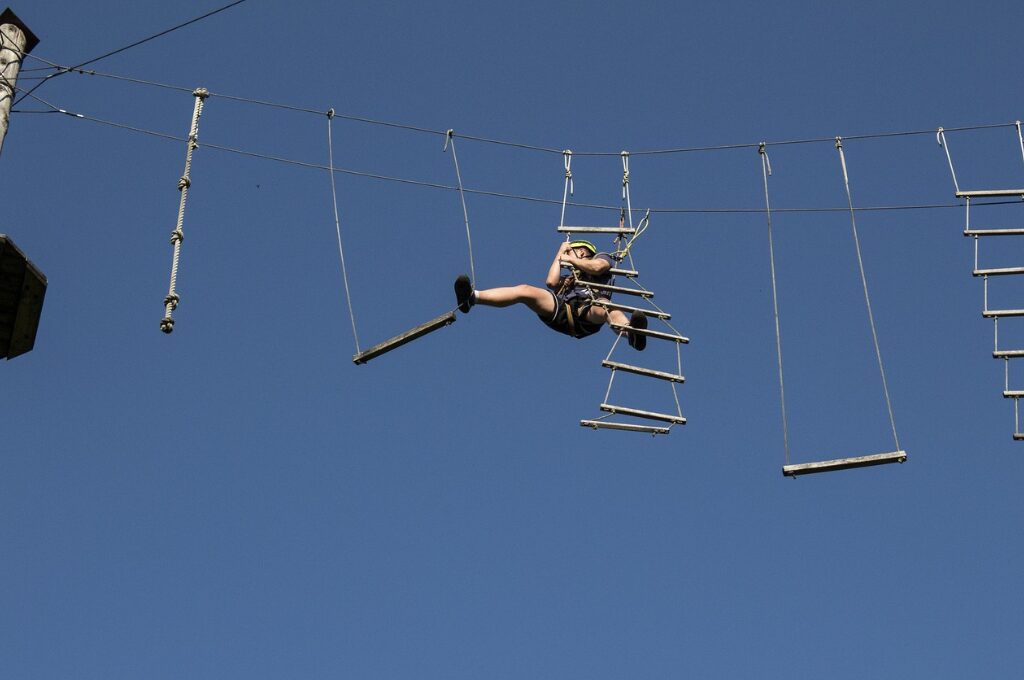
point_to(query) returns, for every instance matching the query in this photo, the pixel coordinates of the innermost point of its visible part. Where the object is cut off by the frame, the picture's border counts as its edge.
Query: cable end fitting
(330, 114)
(201, 92)
(839, 142)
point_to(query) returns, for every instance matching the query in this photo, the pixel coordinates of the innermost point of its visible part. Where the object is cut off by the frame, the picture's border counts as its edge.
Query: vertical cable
(177, 236)
(462, 196)
(568, 191)
(766, 170)
(337, 226)
(867, 297)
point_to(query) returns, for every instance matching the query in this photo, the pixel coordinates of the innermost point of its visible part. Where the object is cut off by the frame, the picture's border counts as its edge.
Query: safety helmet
(584, 244)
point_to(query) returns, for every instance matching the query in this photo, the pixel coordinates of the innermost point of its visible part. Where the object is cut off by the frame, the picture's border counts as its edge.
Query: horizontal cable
(533, 147)
(496, 194)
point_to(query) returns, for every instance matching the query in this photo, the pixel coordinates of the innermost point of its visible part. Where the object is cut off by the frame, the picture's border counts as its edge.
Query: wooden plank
(605, 425)
(608, 304)
(596, 230)
(639, 370)
(996, 313)
(993, 232)
(1008, 354)
(637, 413)
(650, 333)
(999, 271)
(646, 294)
(990, 193)
(408, 336)
(844, 463)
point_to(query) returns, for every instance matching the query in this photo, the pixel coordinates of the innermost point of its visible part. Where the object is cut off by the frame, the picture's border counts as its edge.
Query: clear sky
(238, 500)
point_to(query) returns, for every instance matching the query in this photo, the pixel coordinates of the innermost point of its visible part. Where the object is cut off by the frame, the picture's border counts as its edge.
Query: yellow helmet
(584, 244)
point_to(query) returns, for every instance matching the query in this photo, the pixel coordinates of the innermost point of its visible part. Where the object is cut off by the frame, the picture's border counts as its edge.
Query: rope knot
(201, 92)
(172, 300)
(167, 325)
(184, 182)
(177, 236)
(330, 113)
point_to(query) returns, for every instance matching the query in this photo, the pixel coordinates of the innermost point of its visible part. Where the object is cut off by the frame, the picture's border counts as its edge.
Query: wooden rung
(608, 304)
(650, 333)
(630, 273)
(646, 294)
(408, 336)
(1008, 353)
(597, 230)
(990, 193)
(995, 313)
(622, 410)
(844, 463)
(1013, 394)
(639, 370)
(1018, 436)
(993, 232)
(1001, 271)
(605, 425)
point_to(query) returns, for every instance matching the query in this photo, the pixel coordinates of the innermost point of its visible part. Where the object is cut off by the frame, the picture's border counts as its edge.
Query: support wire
(867, 297)
(337, 227)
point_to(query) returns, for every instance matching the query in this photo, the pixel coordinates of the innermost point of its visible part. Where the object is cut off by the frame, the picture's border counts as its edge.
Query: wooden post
(15, 42)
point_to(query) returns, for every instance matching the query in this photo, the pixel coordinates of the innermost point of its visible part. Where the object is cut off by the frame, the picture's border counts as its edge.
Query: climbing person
(567, 305)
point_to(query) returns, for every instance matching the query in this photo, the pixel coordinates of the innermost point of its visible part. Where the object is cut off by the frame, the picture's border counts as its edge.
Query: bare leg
(537, 299)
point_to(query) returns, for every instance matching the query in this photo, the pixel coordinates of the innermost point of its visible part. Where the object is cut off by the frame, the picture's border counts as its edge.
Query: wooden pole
(16, 40)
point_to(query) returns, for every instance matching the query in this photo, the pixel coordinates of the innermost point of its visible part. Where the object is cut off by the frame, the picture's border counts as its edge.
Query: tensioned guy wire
(337, 226)
(867, 297)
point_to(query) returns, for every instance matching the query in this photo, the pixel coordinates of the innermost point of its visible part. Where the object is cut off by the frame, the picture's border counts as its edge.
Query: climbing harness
(794, 470)
(985, 273)
(599, 295)
(177, 236)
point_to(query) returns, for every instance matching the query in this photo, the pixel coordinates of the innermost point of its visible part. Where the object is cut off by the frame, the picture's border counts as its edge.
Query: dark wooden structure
(22, 288)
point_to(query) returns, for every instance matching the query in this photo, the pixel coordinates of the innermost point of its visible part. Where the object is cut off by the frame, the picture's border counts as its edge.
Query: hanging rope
(450, 139)
(177, 236)
(1020, 139)
(766, 170)
(568, 191)
(867, 297)
(337, 227)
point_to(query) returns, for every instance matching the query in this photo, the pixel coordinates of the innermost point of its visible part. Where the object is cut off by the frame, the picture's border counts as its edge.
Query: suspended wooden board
(406, 337)
(844, 463)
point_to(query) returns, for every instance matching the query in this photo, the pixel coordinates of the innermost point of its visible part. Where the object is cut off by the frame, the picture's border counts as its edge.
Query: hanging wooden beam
(406, 337)
(629, 427)
(844, 463)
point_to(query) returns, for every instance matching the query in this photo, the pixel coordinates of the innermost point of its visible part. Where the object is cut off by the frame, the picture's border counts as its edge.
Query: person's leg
(598, 315)
(539, 300)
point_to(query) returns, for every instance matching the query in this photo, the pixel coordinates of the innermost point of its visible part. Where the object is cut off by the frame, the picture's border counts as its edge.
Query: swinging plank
(410, 335)
(629, 427)
(990, 193)
(622, 410)
(844, 463)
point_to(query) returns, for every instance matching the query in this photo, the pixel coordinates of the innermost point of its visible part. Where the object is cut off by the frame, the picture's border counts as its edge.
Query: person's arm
(554, 278)
(595, 266)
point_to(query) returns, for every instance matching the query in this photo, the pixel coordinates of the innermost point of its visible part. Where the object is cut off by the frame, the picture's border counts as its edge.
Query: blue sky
(238, 499)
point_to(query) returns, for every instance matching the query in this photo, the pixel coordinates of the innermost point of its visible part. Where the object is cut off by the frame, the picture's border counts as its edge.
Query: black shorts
(570, 317)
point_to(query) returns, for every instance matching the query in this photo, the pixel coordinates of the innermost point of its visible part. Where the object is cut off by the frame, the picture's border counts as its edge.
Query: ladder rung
(999, 272)
(844, 463)
(646, 294)
(1013, 394)
(650, 333)
(993, 232)
(614, 270)
(605, 425)
(639, 370)
(1018, 436)
(597, 230)
(990, 193)
(995, 313)
(408, 336)
(622, 410)
(1007, 353)
(608, 304)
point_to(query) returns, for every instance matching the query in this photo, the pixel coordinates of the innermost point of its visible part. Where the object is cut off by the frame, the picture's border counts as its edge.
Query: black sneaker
(464, 293)
(636, 340)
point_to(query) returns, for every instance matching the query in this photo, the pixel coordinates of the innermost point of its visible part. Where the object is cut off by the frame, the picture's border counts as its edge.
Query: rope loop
(940, 134)
(330, 113)
(761, 149)
(839, 142)
(448, 139)
(567, 159)
(625, 173)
